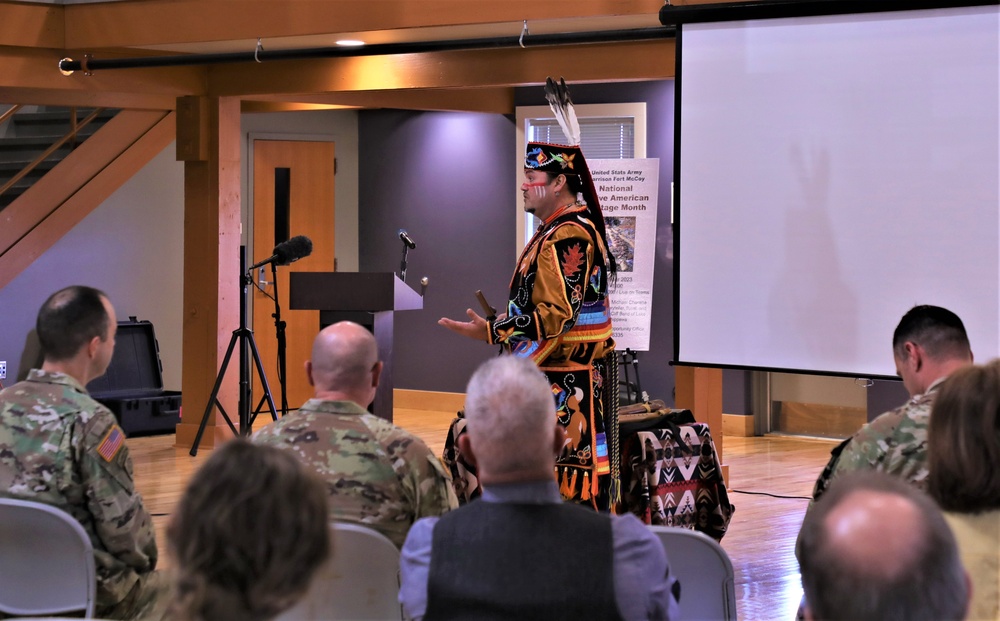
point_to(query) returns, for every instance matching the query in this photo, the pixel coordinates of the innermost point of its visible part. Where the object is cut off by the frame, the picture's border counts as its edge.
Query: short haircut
(343, 356)
(929, 586)
(511, 415)
(938, 330)
(963, 441)
(69, 319)
(248, 535)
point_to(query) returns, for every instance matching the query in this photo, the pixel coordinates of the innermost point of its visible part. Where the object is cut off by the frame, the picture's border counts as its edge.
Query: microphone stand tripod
(244, 336)
(279, 327)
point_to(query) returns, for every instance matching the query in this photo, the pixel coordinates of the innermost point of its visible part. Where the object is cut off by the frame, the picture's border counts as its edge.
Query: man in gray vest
(519, 552)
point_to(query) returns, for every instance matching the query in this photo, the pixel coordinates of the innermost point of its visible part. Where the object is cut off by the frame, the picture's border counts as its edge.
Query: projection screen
(832, 172)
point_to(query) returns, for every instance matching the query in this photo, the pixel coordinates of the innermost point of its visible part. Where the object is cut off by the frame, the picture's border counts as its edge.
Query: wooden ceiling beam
(31, 76)
(491, 100)
(473, 81)
(612, 62)
(166, 22)
(31, 25)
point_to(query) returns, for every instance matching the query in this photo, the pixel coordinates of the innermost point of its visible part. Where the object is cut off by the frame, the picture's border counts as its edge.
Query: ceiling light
(350, 43)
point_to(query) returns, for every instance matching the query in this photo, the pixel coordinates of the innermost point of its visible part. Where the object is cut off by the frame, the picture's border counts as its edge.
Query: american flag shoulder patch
(111, 444)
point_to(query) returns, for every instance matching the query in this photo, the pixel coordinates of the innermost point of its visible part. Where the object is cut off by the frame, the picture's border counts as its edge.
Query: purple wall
(450, 179)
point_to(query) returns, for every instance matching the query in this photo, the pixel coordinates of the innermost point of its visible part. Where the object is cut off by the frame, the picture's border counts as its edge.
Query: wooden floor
(760, 540)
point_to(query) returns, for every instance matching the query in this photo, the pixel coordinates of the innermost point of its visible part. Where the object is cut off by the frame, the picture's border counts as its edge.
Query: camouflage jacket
(60, 447)
(377, 474)
(895, 442)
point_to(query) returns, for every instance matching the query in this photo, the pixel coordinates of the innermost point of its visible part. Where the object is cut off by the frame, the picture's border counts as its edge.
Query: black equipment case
(132, 387)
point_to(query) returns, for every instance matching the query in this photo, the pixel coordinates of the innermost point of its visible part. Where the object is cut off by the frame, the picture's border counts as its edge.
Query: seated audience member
(929, 344)
(248, 535)
(377, 475)
(964, 461)
(876, 548)
(60, 447)
(519, 552)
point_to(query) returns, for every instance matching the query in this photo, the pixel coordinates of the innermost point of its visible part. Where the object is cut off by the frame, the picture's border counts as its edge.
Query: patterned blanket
(671, 476)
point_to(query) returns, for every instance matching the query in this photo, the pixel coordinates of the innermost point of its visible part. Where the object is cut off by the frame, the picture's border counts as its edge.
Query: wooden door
(293, 183)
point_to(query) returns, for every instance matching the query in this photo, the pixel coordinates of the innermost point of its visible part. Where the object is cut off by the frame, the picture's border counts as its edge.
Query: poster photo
(627, 190)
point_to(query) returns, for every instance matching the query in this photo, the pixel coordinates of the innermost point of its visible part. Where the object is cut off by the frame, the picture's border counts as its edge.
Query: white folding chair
(360, 582)
(704, 572)
(46, 561)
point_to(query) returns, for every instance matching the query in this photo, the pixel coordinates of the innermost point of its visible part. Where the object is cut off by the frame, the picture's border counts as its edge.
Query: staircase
(30, 134)
(83, 172)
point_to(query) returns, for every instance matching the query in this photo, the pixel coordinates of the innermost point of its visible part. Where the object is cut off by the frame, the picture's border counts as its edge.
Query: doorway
(293, 194)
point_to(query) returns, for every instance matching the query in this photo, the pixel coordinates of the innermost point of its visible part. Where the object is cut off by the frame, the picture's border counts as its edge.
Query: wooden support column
(208, 142)
(700, 390)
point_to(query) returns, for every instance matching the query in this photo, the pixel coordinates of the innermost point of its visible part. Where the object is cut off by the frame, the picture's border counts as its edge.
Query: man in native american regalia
(558, 312)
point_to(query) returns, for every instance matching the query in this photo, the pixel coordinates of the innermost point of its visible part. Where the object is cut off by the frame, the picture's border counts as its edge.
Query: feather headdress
(567, 159)
(557, 95)
(558, 158)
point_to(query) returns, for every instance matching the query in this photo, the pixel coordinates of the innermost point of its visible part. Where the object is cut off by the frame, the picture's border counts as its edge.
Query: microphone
(406, 239)
(287, 252)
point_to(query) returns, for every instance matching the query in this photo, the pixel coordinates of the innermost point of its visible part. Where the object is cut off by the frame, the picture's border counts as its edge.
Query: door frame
(248, 213)
(246, 224)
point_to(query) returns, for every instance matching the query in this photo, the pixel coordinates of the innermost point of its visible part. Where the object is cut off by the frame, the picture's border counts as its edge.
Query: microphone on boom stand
(284, 253)
(287, 252)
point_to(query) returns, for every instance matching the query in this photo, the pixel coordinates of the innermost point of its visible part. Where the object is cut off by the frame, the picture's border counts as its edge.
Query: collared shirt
(642, 580)
(60, 447)
(378, 475)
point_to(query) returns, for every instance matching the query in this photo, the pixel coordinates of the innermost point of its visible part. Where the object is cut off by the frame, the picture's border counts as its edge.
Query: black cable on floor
(739, 491)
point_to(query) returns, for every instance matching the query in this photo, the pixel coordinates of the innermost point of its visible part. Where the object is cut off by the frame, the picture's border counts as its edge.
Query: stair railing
(9, 113)
(71, 135)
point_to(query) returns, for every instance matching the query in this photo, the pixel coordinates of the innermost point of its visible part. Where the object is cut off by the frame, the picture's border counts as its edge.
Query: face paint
(537, 190)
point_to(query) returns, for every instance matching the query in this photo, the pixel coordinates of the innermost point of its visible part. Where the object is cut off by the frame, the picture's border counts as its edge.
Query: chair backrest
(360, 582)
(46, 561)
(704, 572)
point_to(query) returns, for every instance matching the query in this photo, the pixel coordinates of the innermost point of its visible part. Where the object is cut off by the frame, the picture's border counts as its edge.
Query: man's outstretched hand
(476, 328)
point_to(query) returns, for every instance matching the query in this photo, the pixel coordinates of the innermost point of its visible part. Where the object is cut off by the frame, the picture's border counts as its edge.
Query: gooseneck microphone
(403, 235)
(287, 252)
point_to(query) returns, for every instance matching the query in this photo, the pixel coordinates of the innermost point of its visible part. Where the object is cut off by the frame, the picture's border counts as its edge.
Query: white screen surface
(834, 172)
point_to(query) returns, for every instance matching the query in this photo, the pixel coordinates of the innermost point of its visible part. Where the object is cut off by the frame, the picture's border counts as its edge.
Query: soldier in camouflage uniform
(377, 474)
(929, 343)
(60, 447)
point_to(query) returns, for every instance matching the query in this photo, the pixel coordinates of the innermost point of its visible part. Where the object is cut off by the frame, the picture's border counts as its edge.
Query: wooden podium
(369, 299)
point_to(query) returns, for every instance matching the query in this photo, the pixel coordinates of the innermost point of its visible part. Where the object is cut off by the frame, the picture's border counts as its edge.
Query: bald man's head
(874, 547)
(857, 527)
(345, 362)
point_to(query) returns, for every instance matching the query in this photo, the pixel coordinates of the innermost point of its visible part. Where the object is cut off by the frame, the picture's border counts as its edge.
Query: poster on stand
(628, 190)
